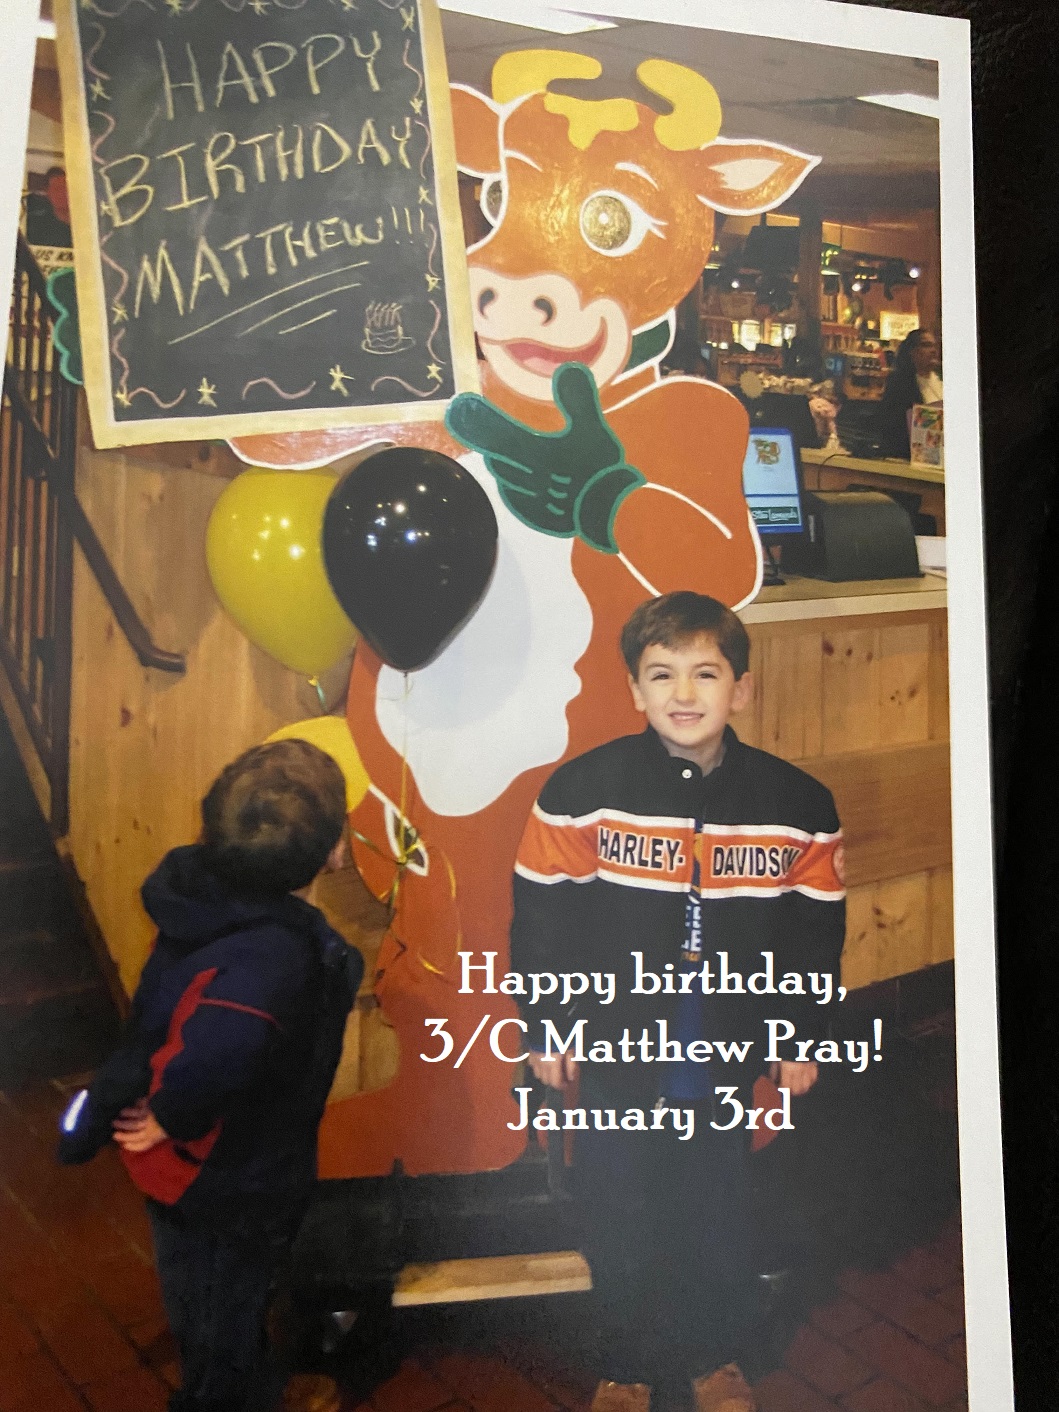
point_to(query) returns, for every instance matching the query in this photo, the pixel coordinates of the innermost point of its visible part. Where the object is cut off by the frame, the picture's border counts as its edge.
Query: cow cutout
(609, 483)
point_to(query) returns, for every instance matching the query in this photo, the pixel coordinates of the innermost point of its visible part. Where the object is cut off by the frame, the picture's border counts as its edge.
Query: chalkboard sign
(265, 213)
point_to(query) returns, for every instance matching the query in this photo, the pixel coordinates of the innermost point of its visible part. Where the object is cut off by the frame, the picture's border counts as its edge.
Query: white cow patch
(494, 703)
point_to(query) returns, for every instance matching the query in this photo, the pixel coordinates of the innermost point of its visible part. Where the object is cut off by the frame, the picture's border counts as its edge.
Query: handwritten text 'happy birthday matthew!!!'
(268, 210)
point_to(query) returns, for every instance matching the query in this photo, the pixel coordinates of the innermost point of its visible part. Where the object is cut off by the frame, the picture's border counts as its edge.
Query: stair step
(23, 992)
(57, 1016)
(56, 1034)
(34, 892)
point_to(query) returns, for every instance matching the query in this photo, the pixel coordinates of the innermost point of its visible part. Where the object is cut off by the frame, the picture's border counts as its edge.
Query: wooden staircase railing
(40, 520)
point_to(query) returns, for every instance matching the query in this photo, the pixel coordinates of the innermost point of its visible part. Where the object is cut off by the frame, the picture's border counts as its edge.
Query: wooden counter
(800, 599)
(829, 470)
(851, 683)
(863, 465)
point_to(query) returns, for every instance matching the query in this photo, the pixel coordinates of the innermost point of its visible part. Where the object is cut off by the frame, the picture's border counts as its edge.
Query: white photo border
(946, 41)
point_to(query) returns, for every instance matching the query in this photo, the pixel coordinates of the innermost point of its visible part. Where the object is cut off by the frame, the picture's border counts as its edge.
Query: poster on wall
(265, 207)
(608, 949)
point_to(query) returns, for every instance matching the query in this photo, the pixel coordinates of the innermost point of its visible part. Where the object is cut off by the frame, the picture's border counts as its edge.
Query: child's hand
(799, 1077)
(136, 1129)
(553, 1073)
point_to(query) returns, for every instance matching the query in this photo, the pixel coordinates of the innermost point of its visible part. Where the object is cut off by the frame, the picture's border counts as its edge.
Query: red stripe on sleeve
(246, 1009)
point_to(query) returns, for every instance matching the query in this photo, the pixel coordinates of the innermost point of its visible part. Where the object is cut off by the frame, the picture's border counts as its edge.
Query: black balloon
(409, 544)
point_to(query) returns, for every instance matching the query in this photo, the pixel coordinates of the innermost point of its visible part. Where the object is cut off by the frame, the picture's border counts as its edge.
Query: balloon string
(406, 837)
(315, 683)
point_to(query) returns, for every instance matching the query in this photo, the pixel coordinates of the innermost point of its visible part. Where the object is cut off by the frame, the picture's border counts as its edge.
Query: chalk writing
(267, 214)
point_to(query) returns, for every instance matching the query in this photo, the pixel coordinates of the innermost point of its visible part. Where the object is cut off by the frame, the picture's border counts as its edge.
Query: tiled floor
(81, 1325)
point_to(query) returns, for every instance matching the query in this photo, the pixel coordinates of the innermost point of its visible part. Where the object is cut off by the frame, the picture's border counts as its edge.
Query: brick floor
(899, 1358)
(82, 1329)
(883, 1292)
(824, 1364)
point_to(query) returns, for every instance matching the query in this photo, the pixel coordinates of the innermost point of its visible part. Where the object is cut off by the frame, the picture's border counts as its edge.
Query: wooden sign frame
(96, 333)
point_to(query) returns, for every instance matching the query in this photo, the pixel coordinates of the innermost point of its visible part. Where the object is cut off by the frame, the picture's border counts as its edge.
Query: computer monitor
(772, 486)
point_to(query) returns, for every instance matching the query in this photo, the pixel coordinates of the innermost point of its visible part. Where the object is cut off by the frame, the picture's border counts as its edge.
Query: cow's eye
(614, 224)
(492, 199)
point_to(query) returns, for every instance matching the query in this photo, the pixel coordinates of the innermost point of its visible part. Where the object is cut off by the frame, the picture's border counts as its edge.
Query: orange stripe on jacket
(557, 848)
(819, 872)
(766, 861)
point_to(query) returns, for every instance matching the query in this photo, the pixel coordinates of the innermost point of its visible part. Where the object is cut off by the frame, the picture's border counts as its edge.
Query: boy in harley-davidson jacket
(662, 858)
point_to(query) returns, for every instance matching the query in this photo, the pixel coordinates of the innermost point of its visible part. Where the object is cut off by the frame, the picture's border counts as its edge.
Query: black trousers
(217, 1284)
(666, 1232)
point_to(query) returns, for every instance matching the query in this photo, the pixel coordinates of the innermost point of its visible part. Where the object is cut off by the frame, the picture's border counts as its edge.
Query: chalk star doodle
(409, 18)
(339, 379)
(417, 104)
(205, 391)
(347, 4)
(122, 397)
(424, 197)
(177, 6)
(258, 6)
(105, 210)
(432, 281)
(433, 371)
(98, 92)
(119, 313)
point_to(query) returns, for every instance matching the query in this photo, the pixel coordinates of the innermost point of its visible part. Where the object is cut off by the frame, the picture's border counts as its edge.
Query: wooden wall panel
(748, 723)
(792, 695)
(145, 745)
(887, 930)
(904, 669)
(938, 678)
(850, 690)
(894, 807)
(862, 703)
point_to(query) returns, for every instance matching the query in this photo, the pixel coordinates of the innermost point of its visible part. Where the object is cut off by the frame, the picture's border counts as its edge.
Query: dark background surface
(1015, 46)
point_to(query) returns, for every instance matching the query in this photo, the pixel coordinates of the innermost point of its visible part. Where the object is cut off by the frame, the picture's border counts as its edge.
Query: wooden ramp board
(492, 1277)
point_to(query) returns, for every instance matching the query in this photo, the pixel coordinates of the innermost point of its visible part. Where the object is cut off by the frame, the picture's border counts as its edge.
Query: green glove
(563, 483)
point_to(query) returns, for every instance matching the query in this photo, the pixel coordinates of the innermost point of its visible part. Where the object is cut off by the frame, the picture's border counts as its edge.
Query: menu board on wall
(265, 214)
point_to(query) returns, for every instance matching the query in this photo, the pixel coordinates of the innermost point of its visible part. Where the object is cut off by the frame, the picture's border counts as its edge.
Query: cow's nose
(546, 307)
(485, 299)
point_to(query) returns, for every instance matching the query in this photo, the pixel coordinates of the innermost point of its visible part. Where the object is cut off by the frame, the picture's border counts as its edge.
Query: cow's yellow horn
(696, 116)
(531, 70)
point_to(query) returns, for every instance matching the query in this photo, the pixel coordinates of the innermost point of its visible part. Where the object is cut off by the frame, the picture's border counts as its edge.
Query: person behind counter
(914, 382)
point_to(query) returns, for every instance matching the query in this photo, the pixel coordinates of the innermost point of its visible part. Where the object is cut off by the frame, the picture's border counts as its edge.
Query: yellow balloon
(331, 734)
(267, 567)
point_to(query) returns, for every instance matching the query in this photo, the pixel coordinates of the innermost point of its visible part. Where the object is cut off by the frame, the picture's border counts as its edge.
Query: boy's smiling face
(688, 693)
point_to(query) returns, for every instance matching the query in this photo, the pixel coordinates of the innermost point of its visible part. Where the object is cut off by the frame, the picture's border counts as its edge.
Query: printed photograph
(499, 945)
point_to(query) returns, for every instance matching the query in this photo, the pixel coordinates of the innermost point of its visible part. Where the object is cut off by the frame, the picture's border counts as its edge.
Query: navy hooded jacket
(234, 1038)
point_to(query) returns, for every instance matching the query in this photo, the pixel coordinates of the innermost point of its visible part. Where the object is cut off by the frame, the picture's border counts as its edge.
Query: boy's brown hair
(676, 618)
(272, 817)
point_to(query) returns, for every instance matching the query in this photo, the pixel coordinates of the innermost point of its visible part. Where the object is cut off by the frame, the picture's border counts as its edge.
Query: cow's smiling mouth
(544, 358)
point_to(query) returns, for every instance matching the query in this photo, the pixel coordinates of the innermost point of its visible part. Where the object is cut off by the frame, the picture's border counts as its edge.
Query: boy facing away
(217, 1090)
(671, 858)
